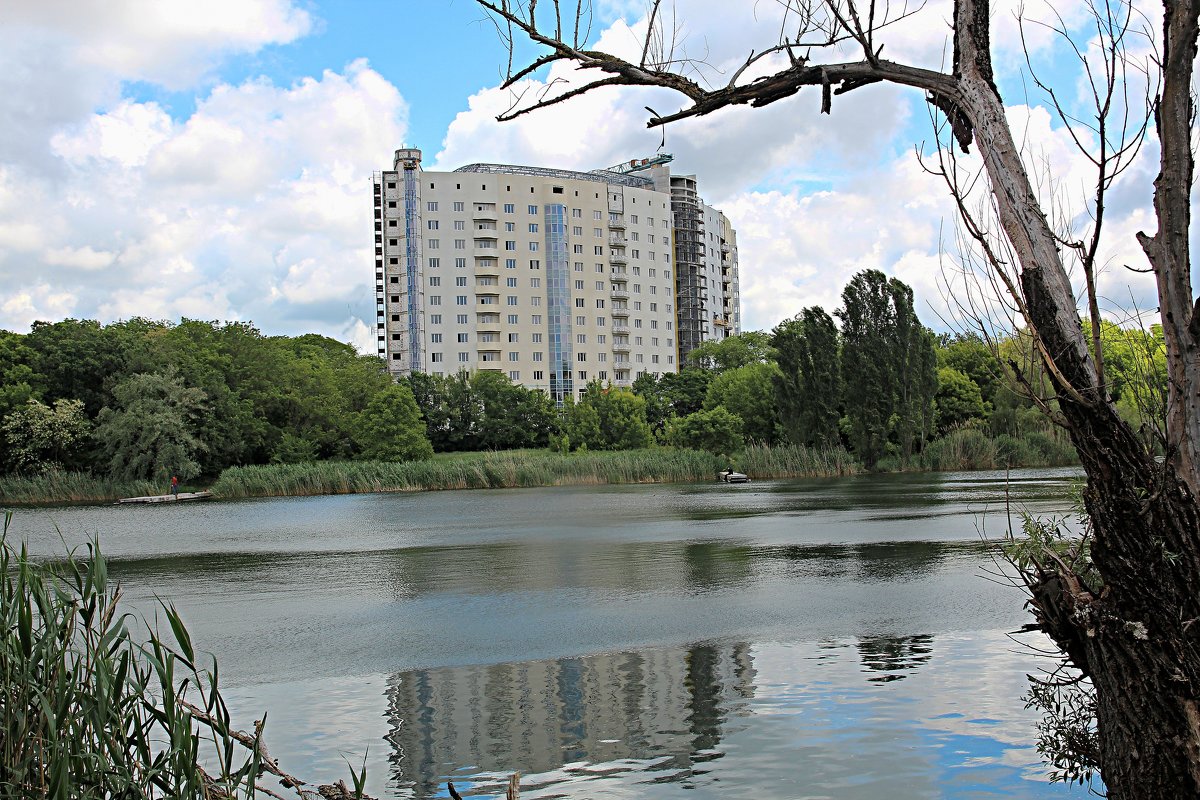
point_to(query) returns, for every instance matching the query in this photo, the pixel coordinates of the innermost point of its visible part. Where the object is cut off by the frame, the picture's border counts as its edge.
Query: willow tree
(1131, 624)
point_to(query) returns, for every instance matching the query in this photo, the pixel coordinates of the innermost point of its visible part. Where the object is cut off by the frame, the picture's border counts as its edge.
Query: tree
(716, 431)
(958, 399)
(38, 438)
(390, 427)
(718, 355)
(607, 418)
(150, 431)
(809, 384)
(748, 393)
(1125, 615)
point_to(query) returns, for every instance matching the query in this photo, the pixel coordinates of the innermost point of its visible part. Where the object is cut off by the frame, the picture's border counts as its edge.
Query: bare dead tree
(1136, 634)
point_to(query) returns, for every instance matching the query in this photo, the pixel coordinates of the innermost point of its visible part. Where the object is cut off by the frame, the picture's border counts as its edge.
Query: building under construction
(553, 277)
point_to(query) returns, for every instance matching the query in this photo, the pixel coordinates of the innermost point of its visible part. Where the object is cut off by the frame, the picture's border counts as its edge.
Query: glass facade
(558, 300)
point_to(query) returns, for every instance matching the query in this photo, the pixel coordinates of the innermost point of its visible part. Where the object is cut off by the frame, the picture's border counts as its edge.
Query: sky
(168, 159)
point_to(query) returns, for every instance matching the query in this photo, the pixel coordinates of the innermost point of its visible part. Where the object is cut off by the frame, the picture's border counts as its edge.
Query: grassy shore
(71, 487)
(968, 449)
(524, 468)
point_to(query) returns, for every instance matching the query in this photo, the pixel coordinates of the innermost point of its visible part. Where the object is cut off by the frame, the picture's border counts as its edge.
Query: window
(460, 263)
(533, 246)
(654, 306)
(514, 375)
(513, 319)
(393, 242)
(637, 254)
(581, 338)
(596, 215)
(391, 184)
(579, 285)
(392, 224)
(434, 299)
(513, 355)
(460, 244)
(537, 356)
(581, 321)
(434, 319)
(435, 357)
(513, 338)
(391, 203)
(600, 268)
(583, 377)
(599, 249)
(579, 302)
(432, 244)
(512, 299)
(460, 225)
(509, 208)
(533, 227)
(435, 281)
(637, 323)
(510, 226)
(602, 357)
(460, 280)
(597, 232)
(537, 374)
(654, 359)
(533, 210)
(535, 264)
(537, 318)
(436, 338)
(599, 286)
(460, 300)
(581, 357)
(577, 230)
(633, 218)
(463, 337)
(536, 301)
(510, 282)
(461, 319)
(577, 213)
(464, 356)
(394, 279)
(434, 263)
(510, 263)
(432, 224)
(537, 338)
(458, 206)
(535, 283)
(577, 248)
(510, 245)
(634, 236)
(601, 338)
(601, 322)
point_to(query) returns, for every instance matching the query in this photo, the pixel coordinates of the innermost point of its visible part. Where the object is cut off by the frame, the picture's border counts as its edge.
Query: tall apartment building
(553, 277)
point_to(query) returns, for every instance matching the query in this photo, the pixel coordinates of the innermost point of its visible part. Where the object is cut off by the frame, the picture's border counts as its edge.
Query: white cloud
(255, 207)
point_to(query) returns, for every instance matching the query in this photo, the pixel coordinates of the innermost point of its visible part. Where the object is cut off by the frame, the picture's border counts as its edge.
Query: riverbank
(960, 450)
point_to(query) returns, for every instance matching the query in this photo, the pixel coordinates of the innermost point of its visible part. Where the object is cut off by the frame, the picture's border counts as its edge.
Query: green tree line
(143, 399)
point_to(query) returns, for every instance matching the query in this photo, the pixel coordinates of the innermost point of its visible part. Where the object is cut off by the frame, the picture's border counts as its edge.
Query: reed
(70, 487)
(90, 711)
(970, 448)
(522, 468)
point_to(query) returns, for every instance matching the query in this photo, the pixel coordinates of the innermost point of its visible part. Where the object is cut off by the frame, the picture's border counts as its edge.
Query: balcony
(619, 294)
(484, 211)
(617, 258)
(488, 323)
(620, 329)
(487, 289)
(620, 347)
(616, 223)
(616, 240)
(619, 312)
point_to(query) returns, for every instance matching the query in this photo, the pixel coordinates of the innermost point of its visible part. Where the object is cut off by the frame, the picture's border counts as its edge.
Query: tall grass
(513, 469)
(970, 448)
(70, 487)
(88, 711)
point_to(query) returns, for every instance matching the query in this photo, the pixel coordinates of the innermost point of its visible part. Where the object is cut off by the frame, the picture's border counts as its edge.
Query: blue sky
(165, 159)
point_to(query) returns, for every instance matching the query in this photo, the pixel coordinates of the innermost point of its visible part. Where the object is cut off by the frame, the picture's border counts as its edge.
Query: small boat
(167, 498)
(729, 476)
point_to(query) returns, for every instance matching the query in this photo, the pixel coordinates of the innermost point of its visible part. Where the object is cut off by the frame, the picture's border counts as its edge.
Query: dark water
(805, 639)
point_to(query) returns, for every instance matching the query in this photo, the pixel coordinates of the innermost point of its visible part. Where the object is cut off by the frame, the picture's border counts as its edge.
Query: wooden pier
(167, 498)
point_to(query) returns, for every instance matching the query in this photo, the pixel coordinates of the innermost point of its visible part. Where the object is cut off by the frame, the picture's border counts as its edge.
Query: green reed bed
(522, 468)
(970, 448)
(796, 461)
(92, 711)
(71, 487)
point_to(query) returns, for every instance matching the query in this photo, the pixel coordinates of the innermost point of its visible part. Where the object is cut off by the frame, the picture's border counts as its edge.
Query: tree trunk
(1137, 640)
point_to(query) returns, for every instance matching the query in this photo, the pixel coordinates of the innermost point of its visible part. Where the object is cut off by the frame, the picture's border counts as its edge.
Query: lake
(833, 638)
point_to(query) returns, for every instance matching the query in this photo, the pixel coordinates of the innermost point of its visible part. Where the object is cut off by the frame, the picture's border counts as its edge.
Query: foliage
(958, 399)
(748, 393)
(390, 428)
(888, 363)
(38, 438)
(718, 355)
(809, 382)
(608, 418)
(716, 431)
(150, 432)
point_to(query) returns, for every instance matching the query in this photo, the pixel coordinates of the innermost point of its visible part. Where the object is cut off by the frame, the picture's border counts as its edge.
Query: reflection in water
(535, 717)
(894, 656)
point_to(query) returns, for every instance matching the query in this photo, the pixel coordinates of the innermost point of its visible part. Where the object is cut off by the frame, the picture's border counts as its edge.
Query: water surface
(837, 638)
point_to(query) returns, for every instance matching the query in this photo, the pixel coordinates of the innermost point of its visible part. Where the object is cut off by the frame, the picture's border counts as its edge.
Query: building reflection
(893, 657)
(672, 705)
